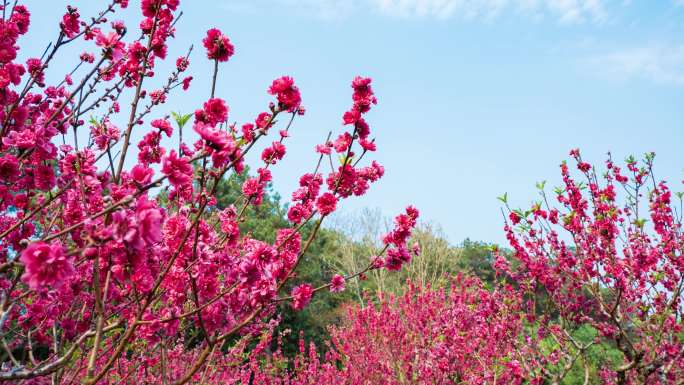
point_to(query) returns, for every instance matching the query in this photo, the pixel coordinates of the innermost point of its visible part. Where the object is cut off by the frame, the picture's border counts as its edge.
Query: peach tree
(115, 258)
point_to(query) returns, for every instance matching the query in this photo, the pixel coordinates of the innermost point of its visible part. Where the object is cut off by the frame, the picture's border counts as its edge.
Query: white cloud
(322, 9)
(325, 9)
(566, 11)
(441, 9)
(659, 63)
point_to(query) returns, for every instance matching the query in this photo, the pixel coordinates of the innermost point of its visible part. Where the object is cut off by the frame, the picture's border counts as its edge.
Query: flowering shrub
(457, 334)
(461, 333)
(608, 257)
(102, 278)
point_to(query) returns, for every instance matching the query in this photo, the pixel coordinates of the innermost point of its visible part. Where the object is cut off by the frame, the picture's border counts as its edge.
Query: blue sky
(476, 97)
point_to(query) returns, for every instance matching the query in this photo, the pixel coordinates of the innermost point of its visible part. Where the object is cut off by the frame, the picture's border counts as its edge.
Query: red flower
(274, 153)
(163, 125)
(178, 170)
(111, 44)
(363, 95)
(351, 117)
(367, 145)
(343, 142)
(186, 83)
(296, 213)
(45, 264)
(182, 63)
(301, 296)
(44, 177)
(87, 57)
(326, 203)
(150, 8)
(214, 111)
(324, 149)
(263, 121)
(215, 138)
(287, 93)
(218, 45)
(337, 283)
(141, 175)
(149, 218)
(35, 68)
(21, 18)
(9, 168)
(70, 24)
(247, 132)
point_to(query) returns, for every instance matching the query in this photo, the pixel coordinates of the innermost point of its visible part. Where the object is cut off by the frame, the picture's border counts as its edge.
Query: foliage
(436, 259)
(261, 221)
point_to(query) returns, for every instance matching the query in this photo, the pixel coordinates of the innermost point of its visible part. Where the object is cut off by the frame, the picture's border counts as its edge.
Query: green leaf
(180, 119)
(343, 159)
(640, 222)
(503, 198)
(658, 276)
